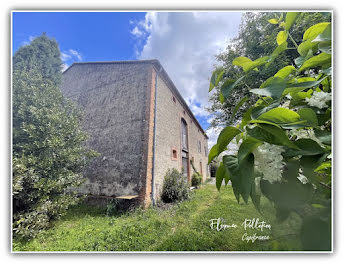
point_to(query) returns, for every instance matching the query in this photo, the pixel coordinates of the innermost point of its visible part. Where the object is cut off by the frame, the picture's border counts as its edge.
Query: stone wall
(114, 97)
(118, 103)
(168, 136)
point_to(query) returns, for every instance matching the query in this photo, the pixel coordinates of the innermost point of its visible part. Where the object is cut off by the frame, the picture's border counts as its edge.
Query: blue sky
(184, 42)
(96, 36)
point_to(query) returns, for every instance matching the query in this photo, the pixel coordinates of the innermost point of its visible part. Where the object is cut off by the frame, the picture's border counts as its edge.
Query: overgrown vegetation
(196, 179)
(184, 226)
(175, 187)
(256, 38)
(49, 151)
(284, 137)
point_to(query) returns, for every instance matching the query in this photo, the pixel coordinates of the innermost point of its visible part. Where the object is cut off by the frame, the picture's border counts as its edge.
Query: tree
(284, 137)
(256, 39)
(49, 151)
(43, 56)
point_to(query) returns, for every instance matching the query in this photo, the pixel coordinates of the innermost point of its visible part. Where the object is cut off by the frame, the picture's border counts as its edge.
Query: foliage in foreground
(285, 137)
(175, 187)
(256, 38)
(183, 226)
(48, 143)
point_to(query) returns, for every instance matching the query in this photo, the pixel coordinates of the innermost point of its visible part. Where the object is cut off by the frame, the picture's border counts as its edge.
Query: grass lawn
(181, 227)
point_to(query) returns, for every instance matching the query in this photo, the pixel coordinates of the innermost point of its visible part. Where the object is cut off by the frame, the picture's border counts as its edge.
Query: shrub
(112, 207)
(49, 151)
(196, 179)
(175, 187)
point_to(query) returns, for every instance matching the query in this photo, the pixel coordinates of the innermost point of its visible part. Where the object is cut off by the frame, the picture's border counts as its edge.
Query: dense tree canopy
(43, 56)
(257, 38)
(49, 151)
(284, 137)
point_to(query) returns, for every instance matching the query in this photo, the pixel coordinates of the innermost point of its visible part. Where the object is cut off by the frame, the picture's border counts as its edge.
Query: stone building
(139, 123)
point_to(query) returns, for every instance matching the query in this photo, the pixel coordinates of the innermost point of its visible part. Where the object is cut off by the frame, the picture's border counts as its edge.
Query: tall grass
(181, 227)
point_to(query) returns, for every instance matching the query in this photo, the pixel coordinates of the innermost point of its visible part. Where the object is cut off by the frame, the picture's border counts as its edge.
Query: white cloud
(212, 133)
(65, 56)
(198, 110)
(28, 41)
(136, 32)
(75, 54)
(186, 44)
(70, 56)
(64, 67)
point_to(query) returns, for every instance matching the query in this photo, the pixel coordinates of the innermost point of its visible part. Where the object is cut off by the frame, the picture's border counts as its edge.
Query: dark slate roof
(161, 71)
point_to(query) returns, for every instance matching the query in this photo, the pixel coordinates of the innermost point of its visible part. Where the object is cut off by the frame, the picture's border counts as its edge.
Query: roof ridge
(155, 63)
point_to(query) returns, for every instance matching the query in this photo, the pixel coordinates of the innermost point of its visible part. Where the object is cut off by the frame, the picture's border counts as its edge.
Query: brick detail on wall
(148, 187)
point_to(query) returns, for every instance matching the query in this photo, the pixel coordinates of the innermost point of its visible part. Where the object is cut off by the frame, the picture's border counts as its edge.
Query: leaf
(310, 163)
(305, 47)
(246, 148)
(231, 164)
(309, 115)
(255, 193)
(220, 175)
(212, 153)
(258, 110)
(324, 166)
(280, 116)
(246, 117)
(326, 35)
(291, 170)
(222, 98)
(327, 71)
(324, 136)
(279, 49)
(290, 19)
(313, 31)
(241, 61)
(326, 47)
(269, 190)
(307, 147)
(321, 59)
(257, 62)
(300, 60)
(276, 52)
(215, 78)
(273, 21)
(236, 108)
(287, 195)
(246, 168)
(319, 206)
(315, 234)
(285, 71)
(247, 64)
(229, 85)
(271, 134)
(226, 136)
(281, 37)
(297, 87)
(274, 90)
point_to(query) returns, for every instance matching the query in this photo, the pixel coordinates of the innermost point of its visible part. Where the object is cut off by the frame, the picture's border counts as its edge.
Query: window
(199, 147)
(200, 167)
(184, 153)
(184, 135)
(174, 99)
(174, 154)
(205, 150)
(184, 112)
